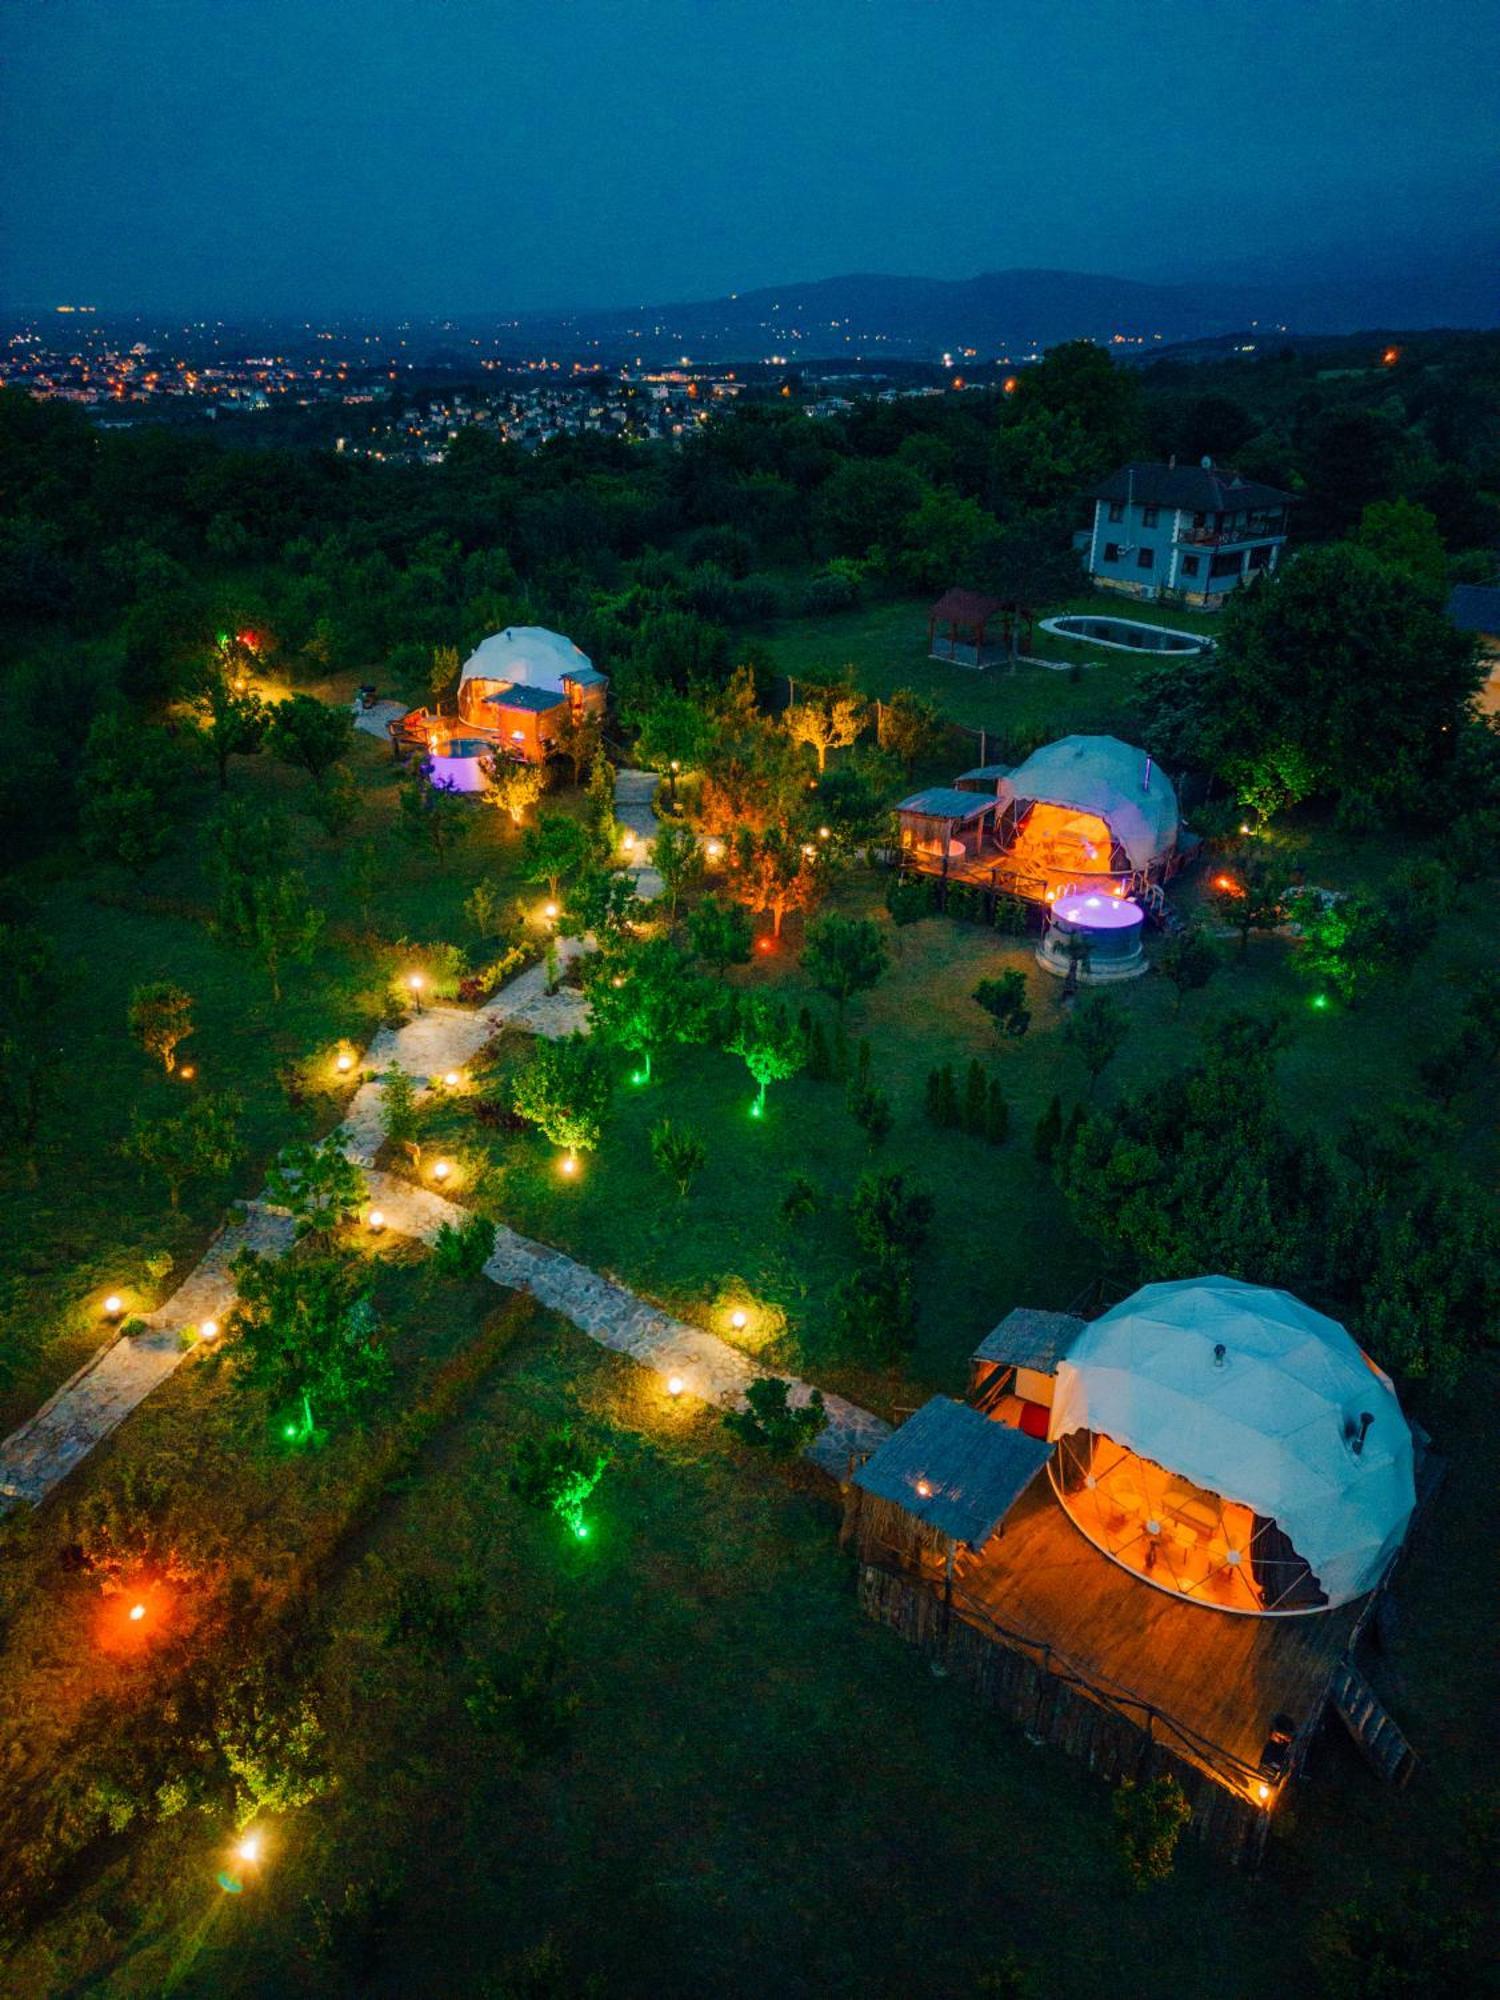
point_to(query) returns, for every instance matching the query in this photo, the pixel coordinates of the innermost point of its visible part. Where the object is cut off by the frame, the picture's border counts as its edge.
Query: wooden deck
(1218, 1677)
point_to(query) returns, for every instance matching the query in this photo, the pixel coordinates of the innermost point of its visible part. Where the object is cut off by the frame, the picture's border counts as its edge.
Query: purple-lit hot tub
(460, 763)
(1099, 932)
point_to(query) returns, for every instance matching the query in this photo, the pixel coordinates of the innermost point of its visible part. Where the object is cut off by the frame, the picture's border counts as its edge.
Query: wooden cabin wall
(1058, 1713)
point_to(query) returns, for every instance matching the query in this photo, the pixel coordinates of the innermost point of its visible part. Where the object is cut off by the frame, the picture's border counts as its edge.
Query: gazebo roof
(965, 607)
(957, 1471)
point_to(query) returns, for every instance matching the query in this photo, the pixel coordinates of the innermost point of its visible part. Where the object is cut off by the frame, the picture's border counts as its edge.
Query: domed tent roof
(1101, 775)
(1270, 1423)
(527, 655)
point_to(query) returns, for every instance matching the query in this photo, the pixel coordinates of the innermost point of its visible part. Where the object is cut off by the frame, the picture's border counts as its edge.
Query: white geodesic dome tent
(1102, 779)
(1234, 1446)
(525, 656)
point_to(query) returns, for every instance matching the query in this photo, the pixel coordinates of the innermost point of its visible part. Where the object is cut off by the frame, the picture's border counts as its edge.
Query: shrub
(802, 1198)
(679, 1153)
(461, 1250)
(773, 1422)
(557, 1472)
(871, 1111)
(1149, 1821)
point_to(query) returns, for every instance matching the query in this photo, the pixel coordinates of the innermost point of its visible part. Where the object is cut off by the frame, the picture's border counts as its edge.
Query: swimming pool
(1125, 635)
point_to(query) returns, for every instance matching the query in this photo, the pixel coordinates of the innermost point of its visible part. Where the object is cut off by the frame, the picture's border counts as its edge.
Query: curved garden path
(39, 1455)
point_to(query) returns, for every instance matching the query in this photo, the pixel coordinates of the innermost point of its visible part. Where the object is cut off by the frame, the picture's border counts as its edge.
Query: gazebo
(966, 616)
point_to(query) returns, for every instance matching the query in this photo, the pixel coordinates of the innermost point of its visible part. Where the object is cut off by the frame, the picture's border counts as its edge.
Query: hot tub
(1102, 932)
(458, 763)
(1125, 635)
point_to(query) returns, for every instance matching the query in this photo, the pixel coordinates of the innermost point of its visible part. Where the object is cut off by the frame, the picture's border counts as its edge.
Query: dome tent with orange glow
(1087, 807)
(516, 683)
(1233, 1446)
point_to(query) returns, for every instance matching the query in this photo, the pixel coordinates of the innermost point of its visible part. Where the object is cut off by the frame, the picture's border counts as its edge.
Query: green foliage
(430, 1615)
(306, 1335)
(129, 782)
(1403, 536)
(160, 1017)
(234, 720)
(564, 1088)
(770, 1042)
(679, 1153)
(484, 908)
(602, 903)
(274, 1748)
(32, 982)
(201, 1141)
(335, 804)
(678, 858)
(720, 933)
(461, 1250)
(1250, 894)
(942, 1096)
(1346, 944)
(434, 818)
(556, 1472)
(599, 808)
(125, 1527)
(871, 1111)
(319, 1186)
(513, 788)
(1095, 1031)
(285, 925)
(309, 735)
(772, 1422)
(1188, 959)
(802, 1199)
(672, 729)
(556, 851)
(526, 1708)
(1048, 1132)
(909, 727)
(1004, 1000)
(828, 720)
(1149, 1822)
(400, 1117)
(873, 1312)
(890, 1218)
(1414, 1946)
(843, 956)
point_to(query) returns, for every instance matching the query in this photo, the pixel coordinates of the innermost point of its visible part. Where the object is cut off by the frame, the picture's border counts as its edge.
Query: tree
(32, 982)
(890, 1218)
(443, 671)
(128, 823)
(513, 788)
(772, 1421)
(564, 1088)
(234, 721)
(678, 859)
(556, 1473)
(160, 1017)
(1404, 536)
(309, 735)
(1188, 959)
(462, 1249)
(1095, 1032)
(200, 1140)
(830, 721)
(720, 933)
(335, 803)
(674, 734)
(284, 925)
(307, 1335)
(319, 1186)
(127, 781)
(603, 903)
(843, 956)
(249, 847)
(679, 1153)
(599, 808)
(871, 1111)
(769, 1041)
(556, 850)
(433, 816)
(1250, 895)
(1149, 1822)
(1004, 1000)
(775, 873)
(874, 1311)
(531, 1712)
(400, 1117)
(644, 998)
(484, 907)
(909, 726)
(578, 734)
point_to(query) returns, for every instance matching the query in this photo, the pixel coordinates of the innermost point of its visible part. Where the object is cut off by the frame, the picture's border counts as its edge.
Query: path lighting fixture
(345, 1061)
(452, 1080)
(441, 1171)
(676, 767)
(714, 850)
(377, 1221)
(569, 1163)
(809, 851)
(627, 840)
(675, 1385)
(1263, 1791)
(208, 1329)
(187, 1072)
(825, 833)
(549, 911)
(114, 1305)
(249, 1850)
(739, 1319)
(137, 1613)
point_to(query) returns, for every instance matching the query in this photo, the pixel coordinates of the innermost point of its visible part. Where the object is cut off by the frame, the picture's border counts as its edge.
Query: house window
(1226, 565)
(1145, 558)
(1190, 565)
(1111, 551)
(1117, 510)
(1150, 516)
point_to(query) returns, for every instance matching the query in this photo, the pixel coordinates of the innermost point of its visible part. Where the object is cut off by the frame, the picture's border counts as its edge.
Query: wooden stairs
(1369, 1722)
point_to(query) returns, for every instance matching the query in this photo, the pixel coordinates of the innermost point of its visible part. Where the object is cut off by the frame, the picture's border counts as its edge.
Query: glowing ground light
(549, 910)
(345, 1062)
(452, 1080)
(441, 1171)
(675, 1385)
(1263, 1792)
(414, 981)
(289, 1430)
(768, 944)
(627, 840)
(137, 1613)
(208, 1330)
(568, 1164)
(187, 1072)
(714, 851)
(739, 1319)
(376, 1221)
(114, 1305)
(757, 1109)
(1320, 1001)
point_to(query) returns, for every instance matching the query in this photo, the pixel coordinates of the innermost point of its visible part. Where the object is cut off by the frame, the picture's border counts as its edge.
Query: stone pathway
(634, 792)
(101, 1394)
(373, 720)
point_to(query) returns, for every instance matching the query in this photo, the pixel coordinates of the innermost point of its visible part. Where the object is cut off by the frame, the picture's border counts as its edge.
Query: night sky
(469, 155)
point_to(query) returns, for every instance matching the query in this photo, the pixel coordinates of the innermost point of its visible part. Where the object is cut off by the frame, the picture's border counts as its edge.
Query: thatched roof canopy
(955, 1471)
(1029, 1339)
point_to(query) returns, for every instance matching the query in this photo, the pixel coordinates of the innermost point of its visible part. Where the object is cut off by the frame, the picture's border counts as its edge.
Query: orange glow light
(1227, 886)
(1391, 356)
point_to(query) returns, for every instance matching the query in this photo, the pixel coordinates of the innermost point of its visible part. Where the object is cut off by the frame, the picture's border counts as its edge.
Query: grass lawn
(885, 646)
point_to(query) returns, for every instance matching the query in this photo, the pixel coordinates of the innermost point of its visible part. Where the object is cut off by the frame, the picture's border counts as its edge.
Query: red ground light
(133, 1620)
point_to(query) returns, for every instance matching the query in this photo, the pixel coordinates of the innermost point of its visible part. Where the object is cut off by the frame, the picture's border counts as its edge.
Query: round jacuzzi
(1100, 933)
(1125, 635)
(459, 763)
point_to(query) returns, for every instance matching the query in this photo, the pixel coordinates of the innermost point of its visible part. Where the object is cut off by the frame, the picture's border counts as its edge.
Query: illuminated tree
(564, 1088)
(1149, 1822)
(775, 873)
(234, 720)
(770, 1042)
(908, 726)
(512, 788)
(773, 1421)
(720, 933)
(462, 1249)
(674, 736)
(306, 1334)
(579, 732)
(309, 735)
(1249, 894)
(556, 1473)
(319, 1186)
(160, 1017)
(202, 1140)
(678, 858)
(646, 997)
(827, 722)
(843, 956)
(555, 850)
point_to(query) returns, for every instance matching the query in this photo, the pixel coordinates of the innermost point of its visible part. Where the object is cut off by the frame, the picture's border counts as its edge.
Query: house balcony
(1268, 529)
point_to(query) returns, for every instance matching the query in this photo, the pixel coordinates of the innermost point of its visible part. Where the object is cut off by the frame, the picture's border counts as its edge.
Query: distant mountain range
(1007, 314)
